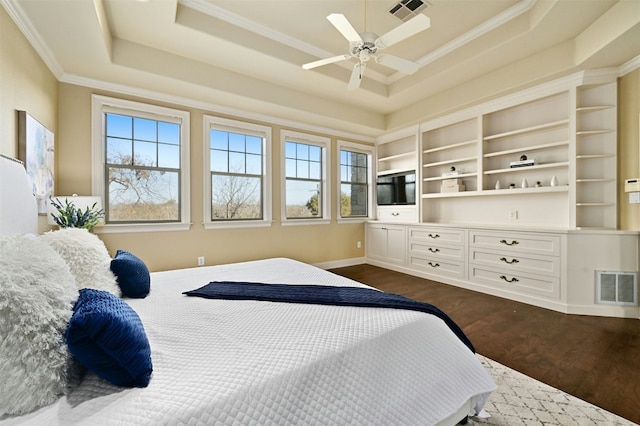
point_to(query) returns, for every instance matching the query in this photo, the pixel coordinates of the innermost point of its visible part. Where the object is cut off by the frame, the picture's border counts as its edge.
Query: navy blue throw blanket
(322, 295)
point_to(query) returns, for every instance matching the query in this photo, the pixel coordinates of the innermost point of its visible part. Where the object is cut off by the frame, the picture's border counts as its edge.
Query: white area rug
(521, 400)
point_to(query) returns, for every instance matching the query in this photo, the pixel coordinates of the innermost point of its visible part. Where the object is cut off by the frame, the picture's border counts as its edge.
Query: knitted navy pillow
(132, 274)
(106, 335)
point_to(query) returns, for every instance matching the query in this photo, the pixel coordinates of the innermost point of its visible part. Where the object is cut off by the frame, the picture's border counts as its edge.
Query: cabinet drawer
(400, 214)
(437, 266)
(508, 242)
(436, 251)
(437, 235)
(516, 262)
(523, 283)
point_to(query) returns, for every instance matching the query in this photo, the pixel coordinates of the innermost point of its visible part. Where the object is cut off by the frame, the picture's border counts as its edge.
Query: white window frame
(102, 104)
(325, 144)
(212, 122)
(369, 151)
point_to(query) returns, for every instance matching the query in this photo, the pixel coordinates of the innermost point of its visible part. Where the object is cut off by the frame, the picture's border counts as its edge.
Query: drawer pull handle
(432, 250)
(434, 265)
(512, 243)
(434, 236)
(510, 262)
(512, 280)
(395, 214)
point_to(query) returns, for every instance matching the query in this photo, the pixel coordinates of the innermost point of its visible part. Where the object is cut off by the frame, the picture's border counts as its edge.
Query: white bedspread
(248, 362)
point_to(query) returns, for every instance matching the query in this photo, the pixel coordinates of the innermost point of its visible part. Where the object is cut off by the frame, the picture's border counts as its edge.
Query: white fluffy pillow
(37, 293)
(86, 256)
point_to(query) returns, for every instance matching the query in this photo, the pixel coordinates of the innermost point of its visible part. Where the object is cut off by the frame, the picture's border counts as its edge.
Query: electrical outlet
(200, 260)
(513, 214)
(358, 244)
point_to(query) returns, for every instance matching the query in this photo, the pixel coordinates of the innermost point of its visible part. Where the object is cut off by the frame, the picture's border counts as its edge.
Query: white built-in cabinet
(509, 229)
(554, 269)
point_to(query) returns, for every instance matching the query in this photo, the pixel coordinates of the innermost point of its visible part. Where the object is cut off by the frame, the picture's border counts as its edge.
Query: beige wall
(26, 84)
(168, 250)
(628, 146)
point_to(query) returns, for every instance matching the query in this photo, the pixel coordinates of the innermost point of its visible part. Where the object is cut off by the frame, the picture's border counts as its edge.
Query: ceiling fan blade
(326, 61)
(343, 25)
(356, 76)
(398, 64)
(406, 30)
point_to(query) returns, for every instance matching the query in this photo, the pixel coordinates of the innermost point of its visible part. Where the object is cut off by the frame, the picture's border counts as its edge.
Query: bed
(233, 362)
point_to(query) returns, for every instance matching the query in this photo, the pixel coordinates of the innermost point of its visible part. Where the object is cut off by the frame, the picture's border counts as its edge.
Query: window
(238, 178)
(355, 180)
(141, 165)
(306, 178)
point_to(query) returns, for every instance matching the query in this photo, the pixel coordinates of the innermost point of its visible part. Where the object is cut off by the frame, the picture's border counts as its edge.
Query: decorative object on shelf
(554, 181)
(524, 183)
(76, 212)
(498, 185)
(538, 184)
(523, 162)
(512, 186)
(452, 185)
(452, 172)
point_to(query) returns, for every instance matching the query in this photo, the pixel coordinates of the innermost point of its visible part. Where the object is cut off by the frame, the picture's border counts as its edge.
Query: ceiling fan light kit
(364, 46)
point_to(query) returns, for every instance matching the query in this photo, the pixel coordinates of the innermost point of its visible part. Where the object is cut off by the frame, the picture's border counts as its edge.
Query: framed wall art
(36, 149)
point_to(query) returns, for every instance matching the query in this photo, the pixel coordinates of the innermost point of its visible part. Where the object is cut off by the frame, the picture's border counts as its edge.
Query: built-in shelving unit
(595, 156)
(567, 129)
(397, 153)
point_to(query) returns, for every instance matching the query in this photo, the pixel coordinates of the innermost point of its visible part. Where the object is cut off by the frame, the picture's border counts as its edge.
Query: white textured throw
(37, 293)
(86, 256)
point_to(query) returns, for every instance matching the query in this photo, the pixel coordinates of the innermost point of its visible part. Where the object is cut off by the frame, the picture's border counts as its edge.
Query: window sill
(296, 222)
(237, 224)
(354, 220)
(141, 227)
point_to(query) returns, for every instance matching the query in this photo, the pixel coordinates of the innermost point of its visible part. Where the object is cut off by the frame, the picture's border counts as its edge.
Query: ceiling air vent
(407, 9)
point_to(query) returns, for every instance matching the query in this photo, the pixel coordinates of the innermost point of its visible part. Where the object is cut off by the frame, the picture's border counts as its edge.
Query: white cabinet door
(396, 244)
(377, 242)
(387, 243)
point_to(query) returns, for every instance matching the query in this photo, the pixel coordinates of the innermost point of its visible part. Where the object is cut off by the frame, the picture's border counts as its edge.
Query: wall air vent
(407, 9)
(617, 288)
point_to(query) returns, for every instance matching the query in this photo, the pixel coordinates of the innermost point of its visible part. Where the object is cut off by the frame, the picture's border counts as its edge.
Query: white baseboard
(341, 263)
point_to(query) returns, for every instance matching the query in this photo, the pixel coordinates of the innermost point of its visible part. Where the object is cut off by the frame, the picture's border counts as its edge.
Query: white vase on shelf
(554, 181)
(498, 186)
(524, 183)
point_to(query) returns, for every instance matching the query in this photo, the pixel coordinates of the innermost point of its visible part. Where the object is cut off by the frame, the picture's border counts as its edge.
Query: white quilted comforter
(247, 362)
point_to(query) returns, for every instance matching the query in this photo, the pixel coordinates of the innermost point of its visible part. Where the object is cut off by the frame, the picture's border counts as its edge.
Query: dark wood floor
(594, 358)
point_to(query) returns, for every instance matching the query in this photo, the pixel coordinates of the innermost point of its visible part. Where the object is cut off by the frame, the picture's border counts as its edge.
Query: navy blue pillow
(132, 274)
(107, 337)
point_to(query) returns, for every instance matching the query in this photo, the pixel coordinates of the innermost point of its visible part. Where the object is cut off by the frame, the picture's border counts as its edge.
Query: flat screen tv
(396, 189)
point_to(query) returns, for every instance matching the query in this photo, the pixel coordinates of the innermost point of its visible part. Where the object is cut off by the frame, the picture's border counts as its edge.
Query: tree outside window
(142, 169)
(303, 192)
(354, 188)
(236, 175)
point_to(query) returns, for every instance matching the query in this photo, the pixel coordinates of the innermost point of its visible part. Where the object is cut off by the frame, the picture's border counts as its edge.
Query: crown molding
(207, 106)
(629, 66)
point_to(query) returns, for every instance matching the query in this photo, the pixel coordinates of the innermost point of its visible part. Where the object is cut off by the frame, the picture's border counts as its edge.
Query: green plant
(70, 216)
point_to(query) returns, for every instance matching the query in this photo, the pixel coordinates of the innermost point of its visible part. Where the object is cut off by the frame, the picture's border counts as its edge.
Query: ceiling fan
(365, 46)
